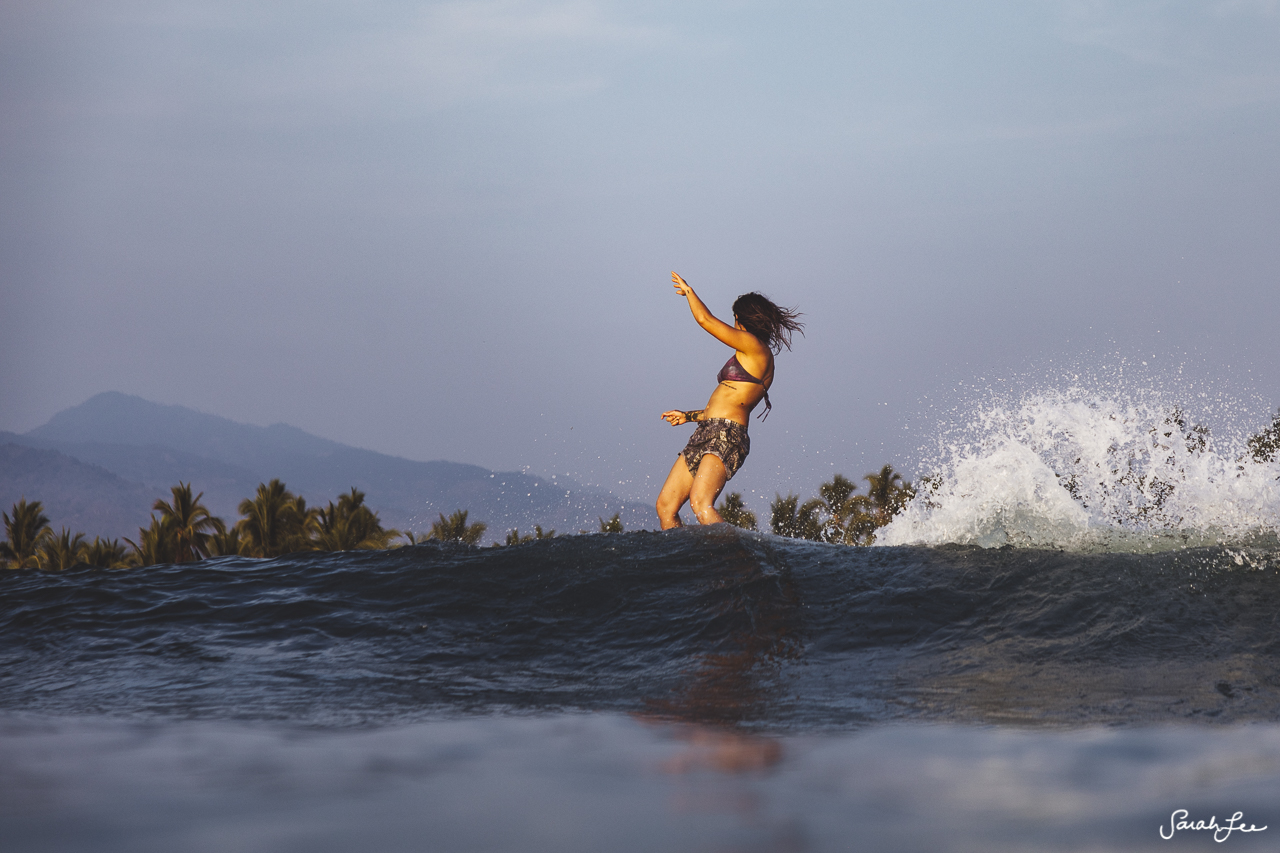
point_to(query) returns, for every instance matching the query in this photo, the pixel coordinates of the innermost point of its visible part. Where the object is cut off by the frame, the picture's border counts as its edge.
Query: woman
(715, 452)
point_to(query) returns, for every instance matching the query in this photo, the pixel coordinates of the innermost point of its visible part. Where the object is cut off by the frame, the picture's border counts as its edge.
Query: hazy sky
(445, 230)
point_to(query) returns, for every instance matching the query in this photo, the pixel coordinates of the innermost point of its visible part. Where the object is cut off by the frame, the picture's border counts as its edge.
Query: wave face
(1078, 471)
(700, 624)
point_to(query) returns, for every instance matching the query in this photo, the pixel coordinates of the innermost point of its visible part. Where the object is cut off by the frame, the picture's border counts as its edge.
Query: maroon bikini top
(735, 372)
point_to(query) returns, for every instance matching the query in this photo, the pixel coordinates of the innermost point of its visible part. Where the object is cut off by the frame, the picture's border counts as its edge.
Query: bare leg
(706, 487)
(675, 491)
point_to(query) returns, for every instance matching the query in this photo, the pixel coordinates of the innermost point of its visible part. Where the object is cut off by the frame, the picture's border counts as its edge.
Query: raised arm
(739, 339)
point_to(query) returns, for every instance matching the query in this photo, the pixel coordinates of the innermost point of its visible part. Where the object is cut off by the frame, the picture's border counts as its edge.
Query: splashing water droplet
(1070, 469)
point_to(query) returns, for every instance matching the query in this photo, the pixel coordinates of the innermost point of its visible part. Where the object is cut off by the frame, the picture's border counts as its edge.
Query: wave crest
(1073, 470)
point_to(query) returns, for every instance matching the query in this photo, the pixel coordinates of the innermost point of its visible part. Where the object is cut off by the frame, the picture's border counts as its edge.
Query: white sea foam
(1075, 470)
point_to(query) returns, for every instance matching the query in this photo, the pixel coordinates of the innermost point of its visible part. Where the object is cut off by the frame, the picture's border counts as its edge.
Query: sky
(446, 230)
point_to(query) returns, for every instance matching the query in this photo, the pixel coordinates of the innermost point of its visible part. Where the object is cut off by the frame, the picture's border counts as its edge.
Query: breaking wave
(1080, 471)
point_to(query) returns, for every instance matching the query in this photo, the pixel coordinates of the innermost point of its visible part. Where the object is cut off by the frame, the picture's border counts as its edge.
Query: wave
(700, 624)
(1075, 470)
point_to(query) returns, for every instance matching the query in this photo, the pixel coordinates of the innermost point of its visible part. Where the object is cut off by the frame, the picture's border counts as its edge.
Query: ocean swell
(705, 625)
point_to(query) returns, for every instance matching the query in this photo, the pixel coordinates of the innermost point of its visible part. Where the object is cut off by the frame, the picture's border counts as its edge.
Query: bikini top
(733, 371)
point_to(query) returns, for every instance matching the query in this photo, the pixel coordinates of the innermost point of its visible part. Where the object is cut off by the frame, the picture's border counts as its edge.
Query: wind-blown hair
(771, 324)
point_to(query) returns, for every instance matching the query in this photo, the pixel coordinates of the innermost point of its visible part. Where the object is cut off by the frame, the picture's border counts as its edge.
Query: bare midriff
(734, 400)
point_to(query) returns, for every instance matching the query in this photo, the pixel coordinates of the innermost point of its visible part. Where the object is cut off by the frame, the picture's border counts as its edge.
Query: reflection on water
(713, 748)
(605, 782)
(737, 682)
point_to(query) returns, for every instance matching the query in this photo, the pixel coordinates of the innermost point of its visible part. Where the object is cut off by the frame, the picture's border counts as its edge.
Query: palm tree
(306, 526)
(1265, 444)
(455, 528)
(613, 525)
(847, 517)
(803, 522)
(189, 523)
(106, 554)
(734, 511)
(271, 524)
(839, 506)
(228, 543)
(155, 544)
(888, 494)
(26, 531)
(836, 494)
(61, 552)
(782, 515)
(350, 526)
(514, 537)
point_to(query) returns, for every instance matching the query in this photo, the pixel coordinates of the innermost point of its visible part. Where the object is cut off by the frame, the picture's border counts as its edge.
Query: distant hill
(149, 447)
(84, 498)
(122, 419)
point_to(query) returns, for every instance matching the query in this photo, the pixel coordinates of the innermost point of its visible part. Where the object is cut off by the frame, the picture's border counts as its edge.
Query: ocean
(1093, 668)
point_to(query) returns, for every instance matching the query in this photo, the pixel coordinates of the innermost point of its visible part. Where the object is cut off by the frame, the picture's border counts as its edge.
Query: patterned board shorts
(720, 437)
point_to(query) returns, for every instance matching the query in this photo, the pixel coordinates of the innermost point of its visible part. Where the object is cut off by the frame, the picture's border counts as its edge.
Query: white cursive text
(1178, 820)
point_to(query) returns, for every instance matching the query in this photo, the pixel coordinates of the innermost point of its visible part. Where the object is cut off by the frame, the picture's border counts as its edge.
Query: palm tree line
(275, 521)
(839, 514)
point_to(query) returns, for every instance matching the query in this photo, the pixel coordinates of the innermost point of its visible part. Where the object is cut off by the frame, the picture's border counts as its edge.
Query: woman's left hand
(675, 417)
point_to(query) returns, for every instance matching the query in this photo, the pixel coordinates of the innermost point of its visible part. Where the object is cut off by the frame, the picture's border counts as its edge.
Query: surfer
(719, 443)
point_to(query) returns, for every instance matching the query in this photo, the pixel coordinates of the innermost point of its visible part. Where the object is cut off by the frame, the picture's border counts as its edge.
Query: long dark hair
(771, 324)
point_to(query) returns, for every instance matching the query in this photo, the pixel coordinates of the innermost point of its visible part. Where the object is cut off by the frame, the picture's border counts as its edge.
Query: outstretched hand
(675, 417)
(682, 286)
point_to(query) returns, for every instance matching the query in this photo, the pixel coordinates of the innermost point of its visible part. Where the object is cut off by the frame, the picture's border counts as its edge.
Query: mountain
(122, 419)
(151, 447)
(76, 495)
